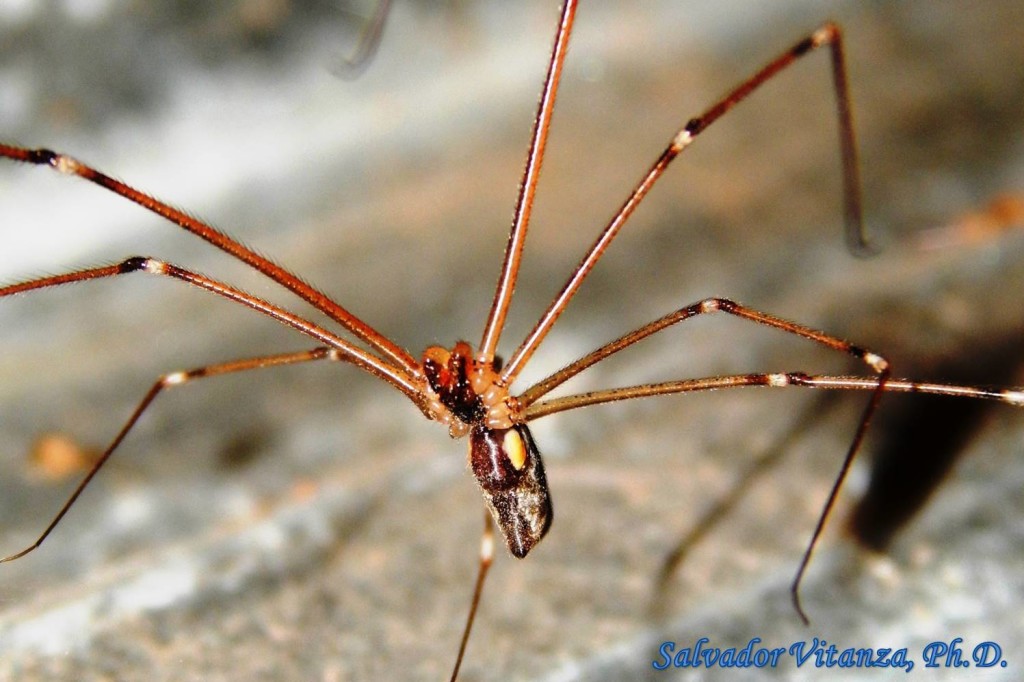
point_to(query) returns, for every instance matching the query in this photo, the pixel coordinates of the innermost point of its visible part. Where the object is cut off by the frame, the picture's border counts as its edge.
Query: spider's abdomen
(509, 470)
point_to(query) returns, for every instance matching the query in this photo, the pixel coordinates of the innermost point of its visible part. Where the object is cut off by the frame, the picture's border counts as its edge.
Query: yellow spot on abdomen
(515, 448)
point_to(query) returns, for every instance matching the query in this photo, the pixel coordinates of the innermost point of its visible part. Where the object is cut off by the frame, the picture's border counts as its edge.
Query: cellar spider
(889, 386)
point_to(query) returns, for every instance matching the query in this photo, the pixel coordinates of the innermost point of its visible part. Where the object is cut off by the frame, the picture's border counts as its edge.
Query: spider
(464, 386)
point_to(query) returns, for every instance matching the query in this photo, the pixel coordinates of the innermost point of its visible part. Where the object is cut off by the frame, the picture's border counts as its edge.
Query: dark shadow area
(242, 449)
(920, 438)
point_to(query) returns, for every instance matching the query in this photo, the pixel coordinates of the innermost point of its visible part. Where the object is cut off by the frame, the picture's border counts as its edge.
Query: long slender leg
(486, 559)
(527, 188)
(877, 386)
(773, 380)
(830, 35)
(69, 166)
(858, 438)
(167, 381)
(738, 490)
(357, 356)
(707, 306)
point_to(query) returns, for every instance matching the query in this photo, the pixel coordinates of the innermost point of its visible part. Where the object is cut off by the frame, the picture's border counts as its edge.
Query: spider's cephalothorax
(471, 400)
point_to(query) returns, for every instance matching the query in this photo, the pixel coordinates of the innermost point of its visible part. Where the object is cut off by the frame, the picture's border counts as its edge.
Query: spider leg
(321, 301)
(708, 305)
(527, 187)
(772, 380)
(829, 34)
(878, 386)
(486, 559)
(395, 376)
(171, 380)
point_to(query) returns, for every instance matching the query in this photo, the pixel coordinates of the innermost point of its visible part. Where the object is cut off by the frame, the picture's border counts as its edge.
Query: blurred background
(306, 523)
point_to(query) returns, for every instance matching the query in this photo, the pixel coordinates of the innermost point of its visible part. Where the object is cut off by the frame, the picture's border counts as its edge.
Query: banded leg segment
(167, 381)
(535, 410)
(711, 305)
(69, 166)
(395, 376)
(708, 305)
(486, 559)
(878, 387)
(772, 380)
(830, 35)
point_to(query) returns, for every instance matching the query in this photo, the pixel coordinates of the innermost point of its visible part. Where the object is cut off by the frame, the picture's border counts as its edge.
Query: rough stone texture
(305, 523)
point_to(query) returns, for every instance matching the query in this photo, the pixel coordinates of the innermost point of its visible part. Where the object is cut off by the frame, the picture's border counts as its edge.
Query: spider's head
(469, 397)
(467, 391)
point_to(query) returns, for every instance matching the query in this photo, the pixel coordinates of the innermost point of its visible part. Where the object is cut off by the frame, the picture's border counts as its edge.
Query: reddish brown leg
(486, 559)
(527, 187)
(708, 305)
(69, 166)
(535, 410)
(357, 356)
(828, 34)
(167, 381)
